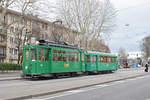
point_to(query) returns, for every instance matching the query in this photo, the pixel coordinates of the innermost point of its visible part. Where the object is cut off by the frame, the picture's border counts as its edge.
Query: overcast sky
(133, 24)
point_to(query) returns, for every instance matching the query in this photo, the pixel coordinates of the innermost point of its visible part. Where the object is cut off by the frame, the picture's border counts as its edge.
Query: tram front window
(26, 55)
(33, 55)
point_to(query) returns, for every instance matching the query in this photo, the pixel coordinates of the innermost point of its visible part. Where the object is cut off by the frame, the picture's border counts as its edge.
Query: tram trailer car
(100, 62)
(51, 59)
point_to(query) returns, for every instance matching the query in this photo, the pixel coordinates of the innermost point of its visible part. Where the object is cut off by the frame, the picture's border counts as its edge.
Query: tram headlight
(26, 67)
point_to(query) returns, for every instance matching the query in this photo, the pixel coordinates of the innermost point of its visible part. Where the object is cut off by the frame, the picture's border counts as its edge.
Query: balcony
(1, 34)
(2, 55)
(3, 44)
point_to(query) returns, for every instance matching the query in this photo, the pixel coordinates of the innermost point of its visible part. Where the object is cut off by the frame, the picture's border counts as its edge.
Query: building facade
(28, 26)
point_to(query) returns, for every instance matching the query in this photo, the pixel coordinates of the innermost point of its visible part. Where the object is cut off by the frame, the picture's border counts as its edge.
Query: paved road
(24, 88)
(129, 89)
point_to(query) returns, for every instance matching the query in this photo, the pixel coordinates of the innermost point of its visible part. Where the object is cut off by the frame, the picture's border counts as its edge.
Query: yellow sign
(107, 65)
(66, 65)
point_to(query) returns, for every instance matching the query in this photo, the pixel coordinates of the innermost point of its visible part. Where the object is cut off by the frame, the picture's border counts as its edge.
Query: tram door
(26, 64)
(44, 61)
(33, 60)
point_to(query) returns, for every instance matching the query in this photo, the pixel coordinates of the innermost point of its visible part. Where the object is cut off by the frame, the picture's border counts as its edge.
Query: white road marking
(118, 82)
(75, 91)
(104, 85)
(57, 96)
(34, 99)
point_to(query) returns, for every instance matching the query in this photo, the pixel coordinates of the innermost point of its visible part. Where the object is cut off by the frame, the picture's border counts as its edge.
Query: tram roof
(99, 53)
(56, 44)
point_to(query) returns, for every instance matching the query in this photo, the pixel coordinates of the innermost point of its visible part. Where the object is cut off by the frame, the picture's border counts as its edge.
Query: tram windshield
(26, 55)
(33, 55)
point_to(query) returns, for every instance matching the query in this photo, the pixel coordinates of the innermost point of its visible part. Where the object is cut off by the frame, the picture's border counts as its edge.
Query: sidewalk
(28, 89)
(9, 75)
(12, 75)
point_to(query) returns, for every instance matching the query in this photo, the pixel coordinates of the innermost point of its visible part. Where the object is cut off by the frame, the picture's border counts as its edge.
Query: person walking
(126, 64)
(146, 67)
(136, 65)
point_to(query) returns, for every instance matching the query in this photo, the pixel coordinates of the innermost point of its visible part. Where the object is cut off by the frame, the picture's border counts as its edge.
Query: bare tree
(145, 47)
(22, 33)
(46, 10)
(24, 7)
(122, 53)
(91, 18)
(4, 5)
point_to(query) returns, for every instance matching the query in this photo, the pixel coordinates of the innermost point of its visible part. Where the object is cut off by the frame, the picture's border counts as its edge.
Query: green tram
(98, 62)
(50, 59)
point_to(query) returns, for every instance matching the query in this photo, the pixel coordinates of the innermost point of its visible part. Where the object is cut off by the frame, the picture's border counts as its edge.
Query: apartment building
(33, 26)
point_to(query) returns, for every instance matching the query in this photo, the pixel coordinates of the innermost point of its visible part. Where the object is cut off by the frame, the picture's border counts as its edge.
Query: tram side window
(88, 58)
(46, 55)
(73, 57)
(54, 55)
(33, 55)
(99, 59)
(77, 57)
(64, 56)
(113, 59)
(82, 57)
(93, 59)
(102, 59)
(60, 55)
(109, 59)
(27, 55)
(105, 59)
(41, 55)
(69, 57)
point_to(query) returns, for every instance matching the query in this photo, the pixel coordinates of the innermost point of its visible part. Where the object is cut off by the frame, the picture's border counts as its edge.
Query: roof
(58, 44)
(100, 53)
(35, 18)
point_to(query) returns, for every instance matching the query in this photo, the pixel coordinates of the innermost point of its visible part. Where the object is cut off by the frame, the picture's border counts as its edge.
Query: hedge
(10, 66)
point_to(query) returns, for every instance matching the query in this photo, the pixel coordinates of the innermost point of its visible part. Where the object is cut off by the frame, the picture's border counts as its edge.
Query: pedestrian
(146, 67)
(136, 66)
(126, 65)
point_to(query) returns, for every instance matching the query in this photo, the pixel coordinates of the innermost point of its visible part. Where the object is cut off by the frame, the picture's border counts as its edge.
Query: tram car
(100, 62)
(51, 59)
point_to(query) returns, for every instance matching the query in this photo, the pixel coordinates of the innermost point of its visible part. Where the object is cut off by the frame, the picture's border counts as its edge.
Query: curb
(10, 71)
(10, 78)
(78, 87)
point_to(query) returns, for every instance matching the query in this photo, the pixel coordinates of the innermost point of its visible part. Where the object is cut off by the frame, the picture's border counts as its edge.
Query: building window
(12, 18)
(11, 50)
(2, 38)
(2, 51)
(16, 29)
(42, 26)
(11, 40)
(1, 60)
(11, 29)
(15, 51)
(46, 27)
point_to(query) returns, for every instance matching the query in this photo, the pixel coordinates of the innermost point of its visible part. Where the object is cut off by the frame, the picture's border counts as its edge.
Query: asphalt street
(129, 89)
(25, 88)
